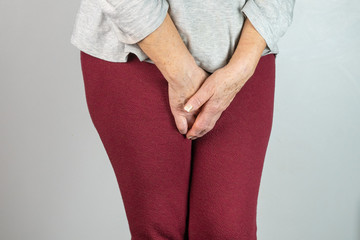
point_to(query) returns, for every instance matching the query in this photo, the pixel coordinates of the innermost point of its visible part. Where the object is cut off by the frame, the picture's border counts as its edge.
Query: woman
(158, 73)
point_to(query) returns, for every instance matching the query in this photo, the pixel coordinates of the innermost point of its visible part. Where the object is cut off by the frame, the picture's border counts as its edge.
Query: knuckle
(211, 128)
(197, 101)
(200, 126)
(216, 107)
(207, 129)
(203, 132)
(209, 88)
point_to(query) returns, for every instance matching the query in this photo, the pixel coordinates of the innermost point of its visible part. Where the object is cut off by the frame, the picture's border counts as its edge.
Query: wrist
(241, 68)
(248, 51)
(180, 70)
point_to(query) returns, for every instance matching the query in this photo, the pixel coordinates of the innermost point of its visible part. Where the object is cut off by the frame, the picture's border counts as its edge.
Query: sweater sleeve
(270, 18)
(134, 19)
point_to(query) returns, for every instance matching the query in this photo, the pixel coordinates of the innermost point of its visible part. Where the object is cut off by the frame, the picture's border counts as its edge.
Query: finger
(190, 120)
(181, 124)
(204, 122)
(199, 98)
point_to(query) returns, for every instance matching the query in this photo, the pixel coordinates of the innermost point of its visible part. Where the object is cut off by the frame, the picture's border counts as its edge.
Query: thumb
(198, 99)
(181, 124)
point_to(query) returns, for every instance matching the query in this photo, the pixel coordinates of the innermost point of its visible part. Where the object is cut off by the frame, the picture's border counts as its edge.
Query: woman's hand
(180, 91)
(213, 97)
(169, 53)
(166, 49)
(218, 91)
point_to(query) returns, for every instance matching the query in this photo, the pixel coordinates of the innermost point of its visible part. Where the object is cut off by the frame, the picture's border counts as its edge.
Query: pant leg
(227, 162)
(128, 104)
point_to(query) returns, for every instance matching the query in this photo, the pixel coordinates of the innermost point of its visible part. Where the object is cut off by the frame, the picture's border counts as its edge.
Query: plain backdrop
(56, 182)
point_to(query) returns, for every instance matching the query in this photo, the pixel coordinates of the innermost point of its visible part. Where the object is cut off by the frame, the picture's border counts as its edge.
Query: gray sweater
(210, 29)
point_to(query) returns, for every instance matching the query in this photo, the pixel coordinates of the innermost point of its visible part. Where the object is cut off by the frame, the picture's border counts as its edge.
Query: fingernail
(188, 107)
(190, 137)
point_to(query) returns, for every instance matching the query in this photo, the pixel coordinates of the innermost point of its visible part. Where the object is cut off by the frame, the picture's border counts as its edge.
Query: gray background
(55, 178)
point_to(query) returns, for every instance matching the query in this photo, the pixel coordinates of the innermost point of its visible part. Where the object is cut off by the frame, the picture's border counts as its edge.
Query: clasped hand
(200, 99)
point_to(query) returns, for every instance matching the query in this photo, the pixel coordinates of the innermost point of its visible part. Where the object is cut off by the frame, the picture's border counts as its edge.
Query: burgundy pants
(172, 187)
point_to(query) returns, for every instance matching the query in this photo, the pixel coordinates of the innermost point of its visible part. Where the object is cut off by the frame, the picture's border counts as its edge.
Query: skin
(167, 50)
(196, 98)
(219, 89)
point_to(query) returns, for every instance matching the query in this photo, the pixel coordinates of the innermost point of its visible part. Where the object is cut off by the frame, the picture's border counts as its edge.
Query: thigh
(128, 104)
(228, 162)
